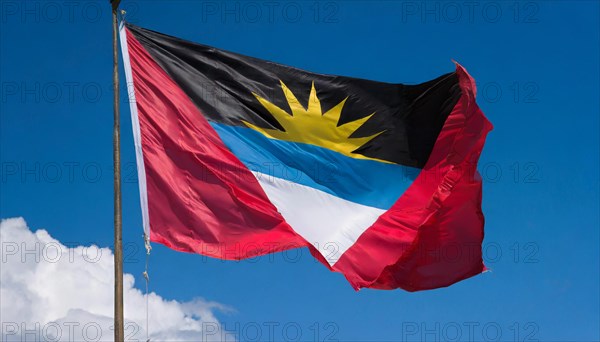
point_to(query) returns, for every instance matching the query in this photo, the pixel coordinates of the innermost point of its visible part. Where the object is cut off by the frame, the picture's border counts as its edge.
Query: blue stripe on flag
(367, 182)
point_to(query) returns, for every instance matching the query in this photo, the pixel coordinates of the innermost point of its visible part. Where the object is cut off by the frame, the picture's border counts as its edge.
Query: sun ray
(293, 102)
(336, 111)
(314, 105)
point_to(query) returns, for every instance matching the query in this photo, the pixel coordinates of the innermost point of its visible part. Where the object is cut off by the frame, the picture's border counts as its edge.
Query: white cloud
(49, 291)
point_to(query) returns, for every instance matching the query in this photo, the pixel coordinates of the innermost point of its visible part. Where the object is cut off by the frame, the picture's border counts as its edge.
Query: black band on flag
(225, 85)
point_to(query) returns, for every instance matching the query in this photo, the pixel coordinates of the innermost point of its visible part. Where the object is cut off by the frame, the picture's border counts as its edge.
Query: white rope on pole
(147, 278)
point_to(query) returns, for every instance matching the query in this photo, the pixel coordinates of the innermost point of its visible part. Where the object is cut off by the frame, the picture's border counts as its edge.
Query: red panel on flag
(432, 236)
(200, 197)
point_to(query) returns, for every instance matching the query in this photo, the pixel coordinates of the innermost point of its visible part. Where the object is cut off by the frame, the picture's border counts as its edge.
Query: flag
(238, 157)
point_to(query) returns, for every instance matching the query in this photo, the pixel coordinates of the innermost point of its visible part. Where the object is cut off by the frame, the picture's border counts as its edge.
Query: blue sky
(536, 65)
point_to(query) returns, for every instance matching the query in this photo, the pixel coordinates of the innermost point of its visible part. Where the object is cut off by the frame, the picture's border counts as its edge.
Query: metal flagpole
(118, 324)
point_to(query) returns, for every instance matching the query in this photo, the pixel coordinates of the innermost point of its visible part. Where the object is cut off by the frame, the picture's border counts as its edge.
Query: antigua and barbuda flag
(238, 157)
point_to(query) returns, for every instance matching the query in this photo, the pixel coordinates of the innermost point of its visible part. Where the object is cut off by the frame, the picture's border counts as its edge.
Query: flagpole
(118, 323)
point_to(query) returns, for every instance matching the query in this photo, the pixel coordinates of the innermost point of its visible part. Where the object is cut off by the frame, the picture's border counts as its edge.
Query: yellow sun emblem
(311, 126)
